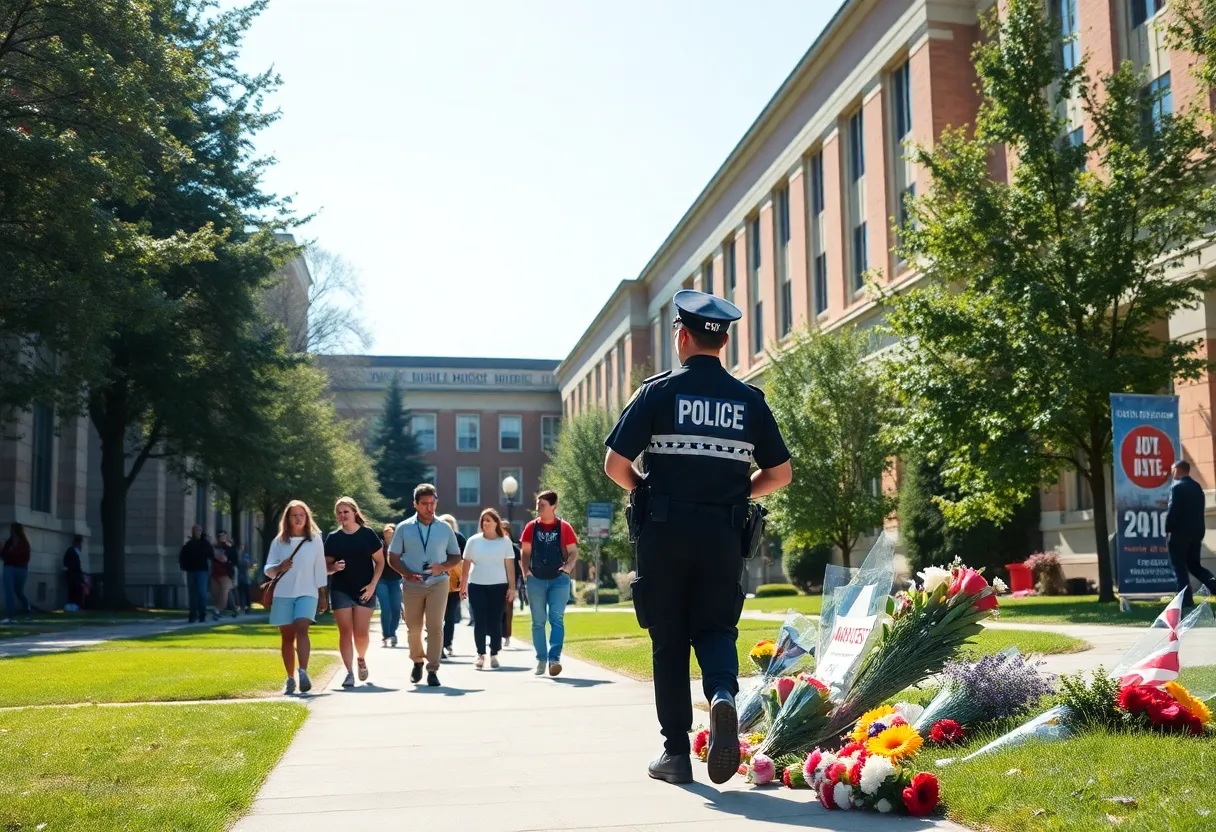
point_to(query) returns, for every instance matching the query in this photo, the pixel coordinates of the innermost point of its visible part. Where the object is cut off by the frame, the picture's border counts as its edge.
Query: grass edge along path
(193, 768)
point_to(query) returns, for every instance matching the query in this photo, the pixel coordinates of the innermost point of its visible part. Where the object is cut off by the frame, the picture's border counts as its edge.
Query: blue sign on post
(599, 520)
(1146, 445)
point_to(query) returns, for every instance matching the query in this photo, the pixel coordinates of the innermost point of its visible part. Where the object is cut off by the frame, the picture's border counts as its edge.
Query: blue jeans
(388, 593)
(197, 586)
(548, 600)
(14, 588)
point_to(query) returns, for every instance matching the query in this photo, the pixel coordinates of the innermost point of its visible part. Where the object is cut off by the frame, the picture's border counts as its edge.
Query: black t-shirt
(356, 549)
(388, 573)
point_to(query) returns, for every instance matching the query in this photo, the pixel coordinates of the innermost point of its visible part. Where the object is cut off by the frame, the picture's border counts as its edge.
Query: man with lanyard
(423, 551)
(550, 550)
(700, 430)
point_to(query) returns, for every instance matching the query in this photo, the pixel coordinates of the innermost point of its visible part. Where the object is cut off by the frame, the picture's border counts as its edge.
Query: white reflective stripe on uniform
(690, 445)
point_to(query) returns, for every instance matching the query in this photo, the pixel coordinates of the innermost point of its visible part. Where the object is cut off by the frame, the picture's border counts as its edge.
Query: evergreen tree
(399, 462)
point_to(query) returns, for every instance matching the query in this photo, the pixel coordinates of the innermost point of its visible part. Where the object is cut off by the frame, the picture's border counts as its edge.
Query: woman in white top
(488, 582)
(300, 593)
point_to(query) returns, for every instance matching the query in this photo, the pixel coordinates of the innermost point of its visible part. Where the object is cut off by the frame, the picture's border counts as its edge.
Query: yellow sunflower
(895, 743)
(764, 649)
(862, 729)
(1193, 704)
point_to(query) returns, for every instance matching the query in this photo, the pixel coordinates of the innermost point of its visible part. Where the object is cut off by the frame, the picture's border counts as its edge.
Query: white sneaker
(506, 642)
(494, 661)
(540, 668)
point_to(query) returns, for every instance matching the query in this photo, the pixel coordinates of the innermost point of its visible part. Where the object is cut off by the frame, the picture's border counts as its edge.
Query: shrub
(775, 590)
(805, 567)
(1093, 704)
(586, 595)
(1048, 573)
(624, 584)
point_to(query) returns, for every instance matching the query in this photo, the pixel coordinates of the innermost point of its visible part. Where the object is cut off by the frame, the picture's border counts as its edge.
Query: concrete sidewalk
(493, 751)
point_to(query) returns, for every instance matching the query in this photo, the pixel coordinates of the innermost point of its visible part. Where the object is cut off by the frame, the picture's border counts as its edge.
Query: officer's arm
(768, 480)
(621, 471)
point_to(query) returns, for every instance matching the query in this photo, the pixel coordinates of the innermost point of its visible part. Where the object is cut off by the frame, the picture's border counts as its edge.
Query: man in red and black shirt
(550, 550)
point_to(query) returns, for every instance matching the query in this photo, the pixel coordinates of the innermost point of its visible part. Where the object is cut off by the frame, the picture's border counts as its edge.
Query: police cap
(704, 313)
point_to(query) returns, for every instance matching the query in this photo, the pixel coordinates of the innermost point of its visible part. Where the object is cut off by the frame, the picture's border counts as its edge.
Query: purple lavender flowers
(1000, 685)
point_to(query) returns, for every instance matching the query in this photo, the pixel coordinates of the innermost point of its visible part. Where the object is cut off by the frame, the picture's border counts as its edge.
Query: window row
(468, 431)
(468, 485)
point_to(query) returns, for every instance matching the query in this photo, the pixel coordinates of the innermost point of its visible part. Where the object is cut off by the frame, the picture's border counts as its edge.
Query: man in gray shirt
(423, 550)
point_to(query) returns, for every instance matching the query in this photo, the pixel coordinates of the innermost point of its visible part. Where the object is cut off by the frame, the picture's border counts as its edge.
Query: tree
(831, 407)
(576, 472)
(325, 320)
(1042, 294)
(398, 458)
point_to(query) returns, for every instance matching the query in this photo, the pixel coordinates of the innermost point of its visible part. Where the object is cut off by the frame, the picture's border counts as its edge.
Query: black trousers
(487, 601)
(1185, 557)
(451, 615)
(690, 567)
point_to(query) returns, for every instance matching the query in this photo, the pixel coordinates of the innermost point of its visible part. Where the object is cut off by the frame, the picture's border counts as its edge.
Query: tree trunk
(112, 430)
(1097, 488)
(269, 527)
(234, 507)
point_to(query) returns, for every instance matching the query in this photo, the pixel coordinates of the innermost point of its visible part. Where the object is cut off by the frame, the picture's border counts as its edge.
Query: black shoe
(432, 679)
(723, 756)
(416, 673)
(672, 768)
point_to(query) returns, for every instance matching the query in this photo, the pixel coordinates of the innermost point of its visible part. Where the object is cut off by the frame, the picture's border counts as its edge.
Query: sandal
(362, 670)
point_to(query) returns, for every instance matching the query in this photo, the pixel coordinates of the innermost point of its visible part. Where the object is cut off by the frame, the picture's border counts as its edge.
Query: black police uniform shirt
(700, 429)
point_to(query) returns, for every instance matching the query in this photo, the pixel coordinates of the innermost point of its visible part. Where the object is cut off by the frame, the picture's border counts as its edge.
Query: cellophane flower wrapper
(805, 712)
(795, 648)
(845, 593)
(997, 686)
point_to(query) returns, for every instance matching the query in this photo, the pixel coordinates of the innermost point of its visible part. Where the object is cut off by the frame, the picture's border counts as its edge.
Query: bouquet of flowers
(800, 710)
(790, 652)
(873, 774)
(997, 686)
(1170, 709)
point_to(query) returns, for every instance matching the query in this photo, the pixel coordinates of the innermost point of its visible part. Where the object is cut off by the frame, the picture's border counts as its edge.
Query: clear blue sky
(492, 168)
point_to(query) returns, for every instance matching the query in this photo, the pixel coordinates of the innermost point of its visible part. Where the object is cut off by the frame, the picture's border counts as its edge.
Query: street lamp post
(510, 487)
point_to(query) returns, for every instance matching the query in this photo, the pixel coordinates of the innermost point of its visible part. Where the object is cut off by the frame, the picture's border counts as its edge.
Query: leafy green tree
(831, 406)
(576, 472)
(1043, 293)
(399, 462)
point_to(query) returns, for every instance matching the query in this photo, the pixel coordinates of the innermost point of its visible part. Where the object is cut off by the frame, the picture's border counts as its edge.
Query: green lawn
(616, 642)
(144, 675)
(808, 604)
(144, 768)
(235, 636)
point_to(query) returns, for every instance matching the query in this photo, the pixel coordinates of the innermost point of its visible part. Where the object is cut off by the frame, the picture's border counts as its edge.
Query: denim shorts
(287, 609)
(339, 600)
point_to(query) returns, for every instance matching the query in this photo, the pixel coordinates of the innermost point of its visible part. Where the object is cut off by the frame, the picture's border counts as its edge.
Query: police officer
(699, 431)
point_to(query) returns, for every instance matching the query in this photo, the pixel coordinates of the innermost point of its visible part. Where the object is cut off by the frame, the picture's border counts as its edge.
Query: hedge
(776, 590)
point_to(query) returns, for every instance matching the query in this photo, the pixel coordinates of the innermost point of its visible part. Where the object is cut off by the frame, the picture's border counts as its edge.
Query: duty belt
(735, 514)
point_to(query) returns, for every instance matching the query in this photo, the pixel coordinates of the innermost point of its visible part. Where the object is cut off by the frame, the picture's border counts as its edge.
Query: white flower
(874, 773)
(933, 577)
(843, 795)
(883, 806)
(1000, 586)
(909, 712)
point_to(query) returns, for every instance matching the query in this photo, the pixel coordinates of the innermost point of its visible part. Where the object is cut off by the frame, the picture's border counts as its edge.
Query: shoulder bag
(268, 587)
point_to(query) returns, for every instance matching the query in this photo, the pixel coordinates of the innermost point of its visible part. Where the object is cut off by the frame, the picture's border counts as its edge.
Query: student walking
(73, 575)
(388, 593)
(221, 582)
(488, 581)
(550, 550)
(355, 558)
(195, 560)
(297, 564)
(423, 551)
(16, 557)
(451, 613)
(508, 609)
(244, 572)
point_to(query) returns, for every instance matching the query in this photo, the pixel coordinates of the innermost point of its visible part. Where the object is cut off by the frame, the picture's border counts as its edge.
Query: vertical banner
(1146, 444)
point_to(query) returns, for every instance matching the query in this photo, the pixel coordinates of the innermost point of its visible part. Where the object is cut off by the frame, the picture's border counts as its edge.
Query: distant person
(221, 583)
(232, 559)
(297, 559)
(195, 560)
(451, 613)
(354, 556)
(388, 593)
(488, 581)
(423, 551)
(508, 611)
(1184, 524)
(73, 575)
(550, 550)
(244, 575)
(16, 558)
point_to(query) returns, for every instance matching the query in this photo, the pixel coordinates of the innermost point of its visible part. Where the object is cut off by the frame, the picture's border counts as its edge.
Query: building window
(518, 473)
(1082, 497)
(901, 87)
(901, 106)
(728, 292)
(819, 258)
(1161, 101)
(510, 433)
(598, 372)
(707, 277)
(430, 474)
(422, 425)
(1142, 10)
(1070, 46)
(754, 257)
(785, 304)
(549, 427)
(41, 458)
(468, 528)
(200, 504)
(621, 381)
(468, 486)
(468, 432)
(857, 190)
(859, 257)
(608, 378)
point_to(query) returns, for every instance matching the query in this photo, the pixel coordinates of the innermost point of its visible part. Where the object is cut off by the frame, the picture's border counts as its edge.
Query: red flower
(811, 680)
(897, 720)
(834, 773)
(855, 773)
(785, 779)
(784, 685)
(967, 581)
(946, 732)
(920, 799)
(700, 742)
(825, 795)
(988, 602)
(851, 748)
(1135, 698)
(1162, 714)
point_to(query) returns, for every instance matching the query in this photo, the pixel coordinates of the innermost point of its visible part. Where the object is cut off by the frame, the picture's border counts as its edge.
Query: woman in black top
(355, 555)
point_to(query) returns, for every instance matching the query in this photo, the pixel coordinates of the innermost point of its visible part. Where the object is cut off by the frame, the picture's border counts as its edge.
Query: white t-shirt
(488, 558)
(307, 573)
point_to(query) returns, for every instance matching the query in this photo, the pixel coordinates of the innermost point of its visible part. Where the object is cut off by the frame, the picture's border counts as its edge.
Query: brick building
(479, 421)
(803, 206)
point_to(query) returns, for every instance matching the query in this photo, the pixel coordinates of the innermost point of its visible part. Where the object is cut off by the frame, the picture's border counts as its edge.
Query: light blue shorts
(285, 610)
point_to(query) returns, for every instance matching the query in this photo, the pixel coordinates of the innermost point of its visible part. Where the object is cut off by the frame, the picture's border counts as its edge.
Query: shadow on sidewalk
(366, 687)
(444, 690)
(580, 683)
(763, 804)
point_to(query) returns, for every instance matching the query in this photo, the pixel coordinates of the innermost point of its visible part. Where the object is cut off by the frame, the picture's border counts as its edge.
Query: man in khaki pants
(422, 551)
